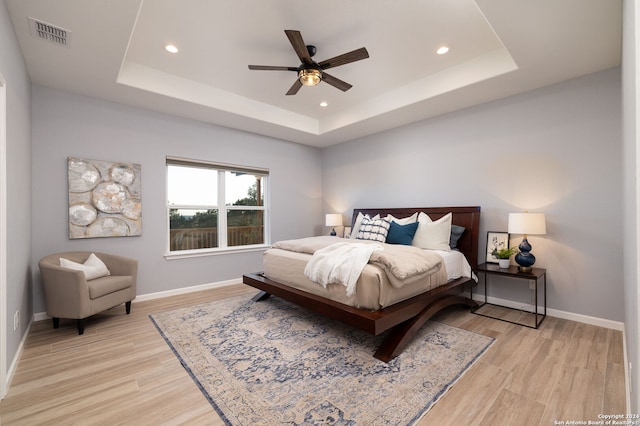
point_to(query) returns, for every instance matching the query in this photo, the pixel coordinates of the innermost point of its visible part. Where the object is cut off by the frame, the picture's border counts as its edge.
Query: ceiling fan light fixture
(309, 76)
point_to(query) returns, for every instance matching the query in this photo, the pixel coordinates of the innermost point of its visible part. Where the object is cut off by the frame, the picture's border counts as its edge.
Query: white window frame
(222, 208)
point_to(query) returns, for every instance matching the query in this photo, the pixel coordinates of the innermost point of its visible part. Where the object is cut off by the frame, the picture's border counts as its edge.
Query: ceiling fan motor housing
(311, 49)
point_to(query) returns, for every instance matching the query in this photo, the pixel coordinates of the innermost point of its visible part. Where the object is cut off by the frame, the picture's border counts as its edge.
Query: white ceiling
(497, 48)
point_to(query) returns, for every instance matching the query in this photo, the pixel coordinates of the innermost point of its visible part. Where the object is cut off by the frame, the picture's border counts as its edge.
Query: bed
(400, 316)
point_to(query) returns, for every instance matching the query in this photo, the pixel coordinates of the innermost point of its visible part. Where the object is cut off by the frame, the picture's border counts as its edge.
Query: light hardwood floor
(121, 371)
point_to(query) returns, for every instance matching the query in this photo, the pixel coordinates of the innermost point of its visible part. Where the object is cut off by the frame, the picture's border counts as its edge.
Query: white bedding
(373, 288)
(456, 264)
(340, 263)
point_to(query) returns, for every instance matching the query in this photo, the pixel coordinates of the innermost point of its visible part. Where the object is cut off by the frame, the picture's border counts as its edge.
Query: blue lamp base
(333, 232)
(524, 259)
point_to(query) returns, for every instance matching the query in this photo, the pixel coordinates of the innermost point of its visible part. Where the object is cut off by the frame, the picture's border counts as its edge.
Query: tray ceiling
(115, 51)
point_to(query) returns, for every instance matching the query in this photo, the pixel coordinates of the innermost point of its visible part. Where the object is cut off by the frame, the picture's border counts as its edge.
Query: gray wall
(556, 150)
(67, 125)
(573, 163)
(631, 103)
(18, 89)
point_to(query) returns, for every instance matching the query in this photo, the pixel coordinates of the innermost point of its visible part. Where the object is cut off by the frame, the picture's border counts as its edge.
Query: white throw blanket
(340, 263)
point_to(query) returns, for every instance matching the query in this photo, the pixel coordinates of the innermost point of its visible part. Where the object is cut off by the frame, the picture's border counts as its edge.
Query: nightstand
(533, 277)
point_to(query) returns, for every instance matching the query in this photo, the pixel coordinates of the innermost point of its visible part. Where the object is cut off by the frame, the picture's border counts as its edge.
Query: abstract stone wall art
(104, 199)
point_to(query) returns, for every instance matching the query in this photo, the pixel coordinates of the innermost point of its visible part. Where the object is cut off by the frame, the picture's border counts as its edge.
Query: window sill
(185, 254)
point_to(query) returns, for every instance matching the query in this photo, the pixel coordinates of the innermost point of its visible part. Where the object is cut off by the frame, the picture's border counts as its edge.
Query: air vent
(45, 31)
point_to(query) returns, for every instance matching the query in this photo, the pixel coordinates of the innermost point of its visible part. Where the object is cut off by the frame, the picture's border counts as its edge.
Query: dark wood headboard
(469, 217)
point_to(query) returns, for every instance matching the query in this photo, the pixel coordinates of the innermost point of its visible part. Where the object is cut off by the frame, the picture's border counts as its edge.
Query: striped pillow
(373, 229)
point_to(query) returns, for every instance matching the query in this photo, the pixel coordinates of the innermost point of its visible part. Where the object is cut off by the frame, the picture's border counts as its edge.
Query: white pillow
(433, 235)
(93, 267)
(356, 225)
(404, 221)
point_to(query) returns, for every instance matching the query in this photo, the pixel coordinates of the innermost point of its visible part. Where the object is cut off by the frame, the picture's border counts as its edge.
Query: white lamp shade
(527, 223)
(333, 219)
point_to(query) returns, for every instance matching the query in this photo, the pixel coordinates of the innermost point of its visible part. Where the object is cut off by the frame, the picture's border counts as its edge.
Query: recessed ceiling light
(323, 104)
(442, 50)
(171, 48)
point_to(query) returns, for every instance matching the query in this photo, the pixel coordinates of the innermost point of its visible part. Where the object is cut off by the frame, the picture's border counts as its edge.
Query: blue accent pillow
(401, 234)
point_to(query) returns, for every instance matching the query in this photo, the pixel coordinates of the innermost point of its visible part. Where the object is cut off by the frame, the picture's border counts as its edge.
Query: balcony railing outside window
(202, 238)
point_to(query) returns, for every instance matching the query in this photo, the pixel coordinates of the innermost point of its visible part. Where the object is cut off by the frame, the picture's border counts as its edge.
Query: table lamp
(333, 219)
(526, 224)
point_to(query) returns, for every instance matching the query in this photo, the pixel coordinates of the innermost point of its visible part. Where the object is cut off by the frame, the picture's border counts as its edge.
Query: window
(215, 206)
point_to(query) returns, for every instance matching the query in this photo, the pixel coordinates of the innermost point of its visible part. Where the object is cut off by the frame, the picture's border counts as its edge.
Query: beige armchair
(68, 294)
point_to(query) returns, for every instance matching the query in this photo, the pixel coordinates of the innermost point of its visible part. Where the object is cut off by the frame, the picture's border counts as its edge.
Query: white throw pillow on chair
(93, 267)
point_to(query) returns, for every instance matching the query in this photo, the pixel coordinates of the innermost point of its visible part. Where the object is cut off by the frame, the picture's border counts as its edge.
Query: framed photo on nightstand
(496, 241)
(347, 232)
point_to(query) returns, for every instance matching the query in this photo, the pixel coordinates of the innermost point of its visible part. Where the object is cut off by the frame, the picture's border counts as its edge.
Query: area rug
(275, 363)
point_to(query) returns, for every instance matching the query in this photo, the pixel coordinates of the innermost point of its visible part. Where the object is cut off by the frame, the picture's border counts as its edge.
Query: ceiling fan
(311, 73)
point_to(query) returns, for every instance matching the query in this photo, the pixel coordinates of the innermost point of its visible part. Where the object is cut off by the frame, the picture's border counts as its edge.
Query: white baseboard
(41, 316)
(600, 322)
(186, 290)
(16, 358)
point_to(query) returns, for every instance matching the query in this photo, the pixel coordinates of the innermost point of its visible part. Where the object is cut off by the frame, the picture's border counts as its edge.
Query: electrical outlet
(532, 284)
(16, 320)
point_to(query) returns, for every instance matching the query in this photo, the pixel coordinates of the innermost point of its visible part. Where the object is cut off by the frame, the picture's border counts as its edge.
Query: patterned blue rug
(275, 363)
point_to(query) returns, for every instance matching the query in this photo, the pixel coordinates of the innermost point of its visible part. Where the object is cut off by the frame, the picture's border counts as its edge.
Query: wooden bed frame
(405, 318)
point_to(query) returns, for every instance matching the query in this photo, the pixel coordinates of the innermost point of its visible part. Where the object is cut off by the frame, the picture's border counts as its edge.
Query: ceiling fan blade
(298, 45)
(355, 55)
(336, 82)
(294, 89)
(271, 68)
